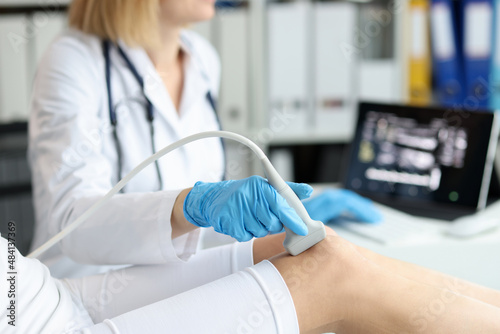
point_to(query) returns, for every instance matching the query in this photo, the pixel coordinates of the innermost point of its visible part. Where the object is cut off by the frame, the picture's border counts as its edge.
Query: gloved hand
(334, 202)
(244, 208)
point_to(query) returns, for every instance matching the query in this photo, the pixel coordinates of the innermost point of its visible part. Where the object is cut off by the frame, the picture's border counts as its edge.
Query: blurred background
(293, 74)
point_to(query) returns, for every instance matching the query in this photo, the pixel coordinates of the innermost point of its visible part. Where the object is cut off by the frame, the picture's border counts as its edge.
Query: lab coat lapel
(195, 86)
(154, 89)
(196, 82)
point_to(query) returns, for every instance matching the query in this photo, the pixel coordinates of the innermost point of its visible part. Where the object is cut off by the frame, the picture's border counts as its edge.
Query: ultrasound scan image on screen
(420, 154)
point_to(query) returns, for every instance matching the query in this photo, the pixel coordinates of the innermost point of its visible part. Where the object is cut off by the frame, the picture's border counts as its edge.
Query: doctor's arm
(71, 172)
(334, 203)
(180, 225)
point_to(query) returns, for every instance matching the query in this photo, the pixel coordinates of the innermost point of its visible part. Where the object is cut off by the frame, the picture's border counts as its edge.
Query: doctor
(124, 81)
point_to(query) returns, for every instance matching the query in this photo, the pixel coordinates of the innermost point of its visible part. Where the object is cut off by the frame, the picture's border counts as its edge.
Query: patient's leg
(434, 278)
(267, 247)
(335, 288)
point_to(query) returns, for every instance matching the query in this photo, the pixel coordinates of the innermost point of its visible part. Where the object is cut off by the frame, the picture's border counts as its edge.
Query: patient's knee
(325, 263)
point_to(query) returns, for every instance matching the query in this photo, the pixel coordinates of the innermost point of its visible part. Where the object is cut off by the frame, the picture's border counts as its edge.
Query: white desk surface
(476, 259)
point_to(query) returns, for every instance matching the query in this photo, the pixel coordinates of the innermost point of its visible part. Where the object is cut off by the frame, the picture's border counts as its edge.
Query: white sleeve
(33, 301)
(255, 300)
(68, 92)
(134, 287)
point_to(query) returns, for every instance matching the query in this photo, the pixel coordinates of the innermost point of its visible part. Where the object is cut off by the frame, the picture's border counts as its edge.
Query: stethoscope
(150, 115)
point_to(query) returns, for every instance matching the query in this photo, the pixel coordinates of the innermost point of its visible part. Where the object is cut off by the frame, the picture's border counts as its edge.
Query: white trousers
(217, 291)
(254, 300)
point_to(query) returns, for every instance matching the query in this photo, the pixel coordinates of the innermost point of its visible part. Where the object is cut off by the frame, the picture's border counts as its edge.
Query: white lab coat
(74, 161)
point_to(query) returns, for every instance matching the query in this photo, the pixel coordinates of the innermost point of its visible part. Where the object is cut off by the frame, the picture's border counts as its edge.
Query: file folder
(446, 53)
(13, 68)
(289, 67)
(377, 80)
(282, 160)
(334, 73)
(477, 48)
(232, 38)
(380, 69)
(239, 161)
(419, 62)
(495, 71)
(205, 29)
(55, 25)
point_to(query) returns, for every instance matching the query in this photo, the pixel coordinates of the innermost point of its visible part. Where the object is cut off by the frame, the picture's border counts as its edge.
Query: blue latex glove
(334, 202)
(244, 208)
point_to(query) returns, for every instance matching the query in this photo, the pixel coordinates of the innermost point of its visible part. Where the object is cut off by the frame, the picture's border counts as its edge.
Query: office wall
(293, 71)
(306, 70)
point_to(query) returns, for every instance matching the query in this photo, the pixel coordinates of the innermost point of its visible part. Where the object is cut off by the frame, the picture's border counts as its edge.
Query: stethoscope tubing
(150, 116)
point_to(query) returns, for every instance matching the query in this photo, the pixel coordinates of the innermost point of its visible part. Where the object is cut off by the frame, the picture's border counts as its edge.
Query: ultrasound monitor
(428, 161)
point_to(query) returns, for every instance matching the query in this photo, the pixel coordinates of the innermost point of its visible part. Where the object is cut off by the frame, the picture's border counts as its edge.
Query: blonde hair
(133, 21)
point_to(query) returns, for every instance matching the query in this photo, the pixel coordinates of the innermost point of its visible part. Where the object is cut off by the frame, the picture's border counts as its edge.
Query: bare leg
(267, 247)
(434, 278)
(335, 288)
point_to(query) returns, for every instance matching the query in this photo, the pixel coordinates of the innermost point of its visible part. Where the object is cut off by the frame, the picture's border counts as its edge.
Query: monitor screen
(420, 154)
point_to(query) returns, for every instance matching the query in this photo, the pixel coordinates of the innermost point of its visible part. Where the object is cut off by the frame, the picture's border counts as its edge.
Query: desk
(476, 259)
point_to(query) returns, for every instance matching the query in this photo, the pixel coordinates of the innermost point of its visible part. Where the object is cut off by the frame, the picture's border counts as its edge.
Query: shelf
(310, 137)
(29, 7)
(31, 3)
